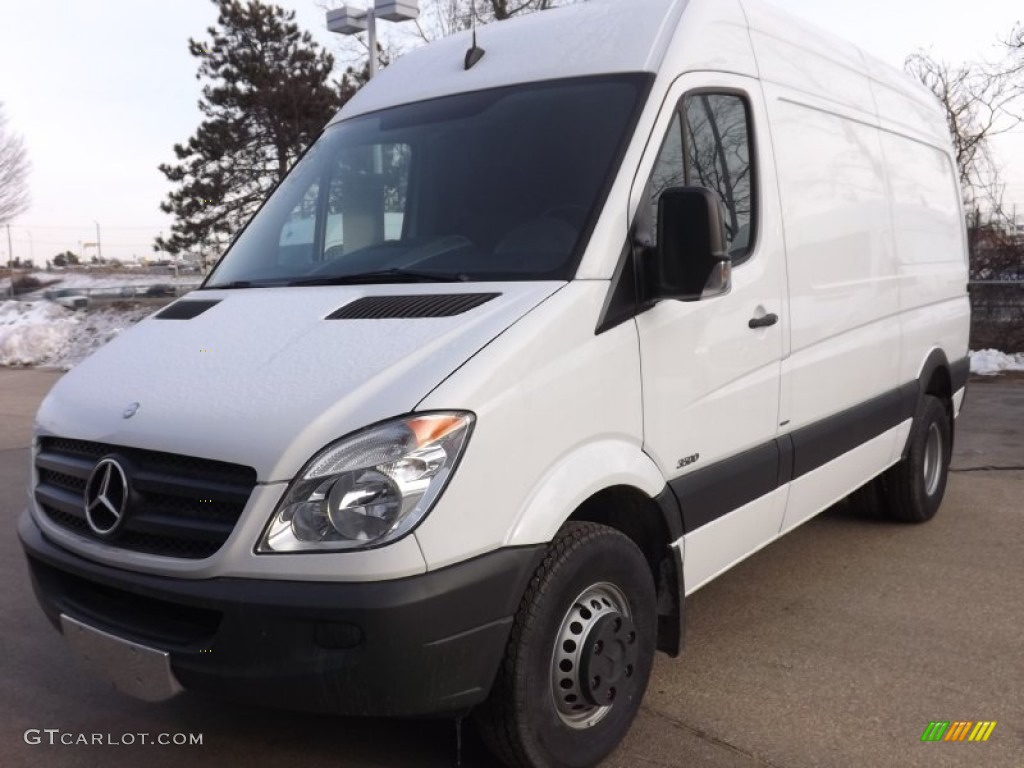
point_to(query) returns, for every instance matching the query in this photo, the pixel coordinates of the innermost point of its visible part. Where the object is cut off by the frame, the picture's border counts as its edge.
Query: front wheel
(579, 654)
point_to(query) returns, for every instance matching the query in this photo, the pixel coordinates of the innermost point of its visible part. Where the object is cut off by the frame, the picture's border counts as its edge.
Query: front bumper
(426, 644)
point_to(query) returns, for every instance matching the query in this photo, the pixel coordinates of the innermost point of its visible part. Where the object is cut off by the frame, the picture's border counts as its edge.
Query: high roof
(793, 53)
(596, 37)
(611, 36)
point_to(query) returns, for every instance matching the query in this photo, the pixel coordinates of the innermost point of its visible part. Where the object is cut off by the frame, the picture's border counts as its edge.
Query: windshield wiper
(393, 275)
(227, 286)
(242, 284)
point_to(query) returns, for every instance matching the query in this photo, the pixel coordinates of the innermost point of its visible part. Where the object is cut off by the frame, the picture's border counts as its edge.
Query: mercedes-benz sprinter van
(526, 348)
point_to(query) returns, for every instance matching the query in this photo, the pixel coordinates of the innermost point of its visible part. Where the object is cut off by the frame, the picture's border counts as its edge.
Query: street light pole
(371, 33)
(348, 20)
(10, 259)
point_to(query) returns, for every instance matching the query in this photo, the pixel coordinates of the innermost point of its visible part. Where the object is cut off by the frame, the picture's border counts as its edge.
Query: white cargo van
(524, 350)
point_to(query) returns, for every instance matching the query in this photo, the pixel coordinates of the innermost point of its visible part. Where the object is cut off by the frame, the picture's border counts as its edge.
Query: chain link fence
(997, 315)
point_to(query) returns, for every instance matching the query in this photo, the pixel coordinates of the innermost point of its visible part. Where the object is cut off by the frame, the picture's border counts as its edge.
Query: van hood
(265, 378)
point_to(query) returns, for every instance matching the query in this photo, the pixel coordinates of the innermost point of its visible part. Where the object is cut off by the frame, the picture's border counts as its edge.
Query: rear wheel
(914, 488)
(579, 654)
(871, 500)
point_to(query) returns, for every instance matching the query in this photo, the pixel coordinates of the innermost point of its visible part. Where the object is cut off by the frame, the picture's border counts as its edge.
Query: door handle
(763, 322)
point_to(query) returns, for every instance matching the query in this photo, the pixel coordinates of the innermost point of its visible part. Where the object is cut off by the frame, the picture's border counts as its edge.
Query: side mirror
(691, 261)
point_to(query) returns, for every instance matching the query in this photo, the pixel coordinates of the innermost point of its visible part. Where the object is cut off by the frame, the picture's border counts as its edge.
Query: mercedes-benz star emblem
(130, 411)
(106, 497)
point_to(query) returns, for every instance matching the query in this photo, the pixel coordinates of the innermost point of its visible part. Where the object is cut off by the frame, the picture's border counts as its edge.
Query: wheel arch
(938, 378)
(653, 524)
(614, 483)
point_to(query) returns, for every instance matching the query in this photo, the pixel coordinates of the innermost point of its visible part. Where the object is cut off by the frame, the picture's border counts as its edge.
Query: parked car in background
(161, 289)
(71, 298)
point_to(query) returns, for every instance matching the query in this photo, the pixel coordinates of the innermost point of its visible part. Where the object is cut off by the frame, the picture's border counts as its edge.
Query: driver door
(711, 368)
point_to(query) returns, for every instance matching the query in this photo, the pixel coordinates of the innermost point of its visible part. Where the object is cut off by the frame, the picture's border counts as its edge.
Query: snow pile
(989, 362)
(33, 332)
(44, 333)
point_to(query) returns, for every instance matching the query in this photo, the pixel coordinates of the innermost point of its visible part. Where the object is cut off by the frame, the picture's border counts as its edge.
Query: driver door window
(707, 145)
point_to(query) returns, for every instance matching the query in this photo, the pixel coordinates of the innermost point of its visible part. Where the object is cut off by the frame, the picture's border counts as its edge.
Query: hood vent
(393, 307)
(186, 310)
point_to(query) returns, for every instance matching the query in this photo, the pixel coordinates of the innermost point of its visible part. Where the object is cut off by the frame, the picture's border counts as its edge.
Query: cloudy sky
(102, 89)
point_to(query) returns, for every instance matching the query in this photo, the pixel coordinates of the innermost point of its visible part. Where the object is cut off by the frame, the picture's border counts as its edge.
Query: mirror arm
(644, 258)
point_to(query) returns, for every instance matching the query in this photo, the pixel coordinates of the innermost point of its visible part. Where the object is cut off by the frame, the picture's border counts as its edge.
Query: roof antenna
(474, 54)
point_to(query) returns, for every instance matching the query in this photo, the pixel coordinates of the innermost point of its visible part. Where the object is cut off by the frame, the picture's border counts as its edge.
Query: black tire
(914, 488)
(521, 722)
(871, 500)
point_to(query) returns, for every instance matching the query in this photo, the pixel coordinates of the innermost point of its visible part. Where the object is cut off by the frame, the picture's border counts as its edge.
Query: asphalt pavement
(835, 646)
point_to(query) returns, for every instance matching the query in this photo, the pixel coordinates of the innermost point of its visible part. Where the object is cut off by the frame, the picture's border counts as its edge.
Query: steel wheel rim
(932, 460)
(590, 606)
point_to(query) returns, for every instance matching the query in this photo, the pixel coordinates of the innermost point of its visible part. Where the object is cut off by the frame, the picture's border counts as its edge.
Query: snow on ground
(45, 334)
(989, 362)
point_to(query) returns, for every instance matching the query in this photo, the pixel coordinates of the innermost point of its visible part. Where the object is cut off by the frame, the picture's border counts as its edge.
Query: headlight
(370, 488)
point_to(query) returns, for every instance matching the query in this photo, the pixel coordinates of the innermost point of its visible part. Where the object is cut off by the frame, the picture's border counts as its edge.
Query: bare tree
(445, 17)
(980, 101)
(977, 99)
(503, 9)
(14, 167)
(1015, 54)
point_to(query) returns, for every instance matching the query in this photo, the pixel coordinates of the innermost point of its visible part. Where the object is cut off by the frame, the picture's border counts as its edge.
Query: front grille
(181, 506)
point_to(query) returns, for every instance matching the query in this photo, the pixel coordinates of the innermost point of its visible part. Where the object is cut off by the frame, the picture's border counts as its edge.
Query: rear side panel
(875, 252)
(845, 330)
(931, 246)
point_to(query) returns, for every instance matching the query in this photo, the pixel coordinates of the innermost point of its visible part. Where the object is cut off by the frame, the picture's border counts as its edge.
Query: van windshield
(501, 184)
